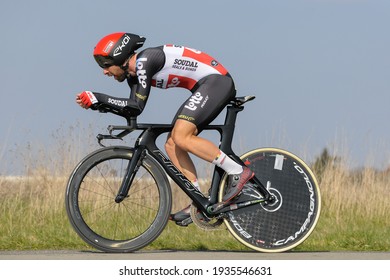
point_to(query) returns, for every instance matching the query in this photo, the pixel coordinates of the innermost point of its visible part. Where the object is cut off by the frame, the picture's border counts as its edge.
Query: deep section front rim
(117, 227)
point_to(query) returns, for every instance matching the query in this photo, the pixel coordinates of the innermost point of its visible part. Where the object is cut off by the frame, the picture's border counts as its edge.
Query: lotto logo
(194, 100)
(141, 73)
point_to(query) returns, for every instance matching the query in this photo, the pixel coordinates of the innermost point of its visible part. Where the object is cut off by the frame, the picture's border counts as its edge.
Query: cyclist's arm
(116, 103)
(148, 63)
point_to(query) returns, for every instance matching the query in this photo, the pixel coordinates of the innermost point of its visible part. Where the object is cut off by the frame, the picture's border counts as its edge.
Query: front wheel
(287, 221)
(117, 227)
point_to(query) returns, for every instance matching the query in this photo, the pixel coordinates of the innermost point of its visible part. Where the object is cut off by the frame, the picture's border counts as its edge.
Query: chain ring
(203, 222)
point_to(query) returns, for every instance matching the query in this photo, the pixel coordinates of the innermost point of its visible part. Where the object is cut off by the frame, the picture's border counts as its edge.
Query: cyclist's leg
(185, 164)
(198, 110)
(183, 135)
(207, 101)
(182, 160)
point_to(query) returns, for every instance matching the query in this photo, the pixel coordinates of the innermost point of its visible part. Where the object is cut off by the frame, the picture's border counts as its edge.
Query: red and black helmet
(115, 48)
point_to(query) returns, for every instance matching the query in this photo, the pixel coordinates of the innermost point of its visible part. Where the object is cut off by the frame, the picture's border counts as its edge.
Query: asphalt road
(191, 255)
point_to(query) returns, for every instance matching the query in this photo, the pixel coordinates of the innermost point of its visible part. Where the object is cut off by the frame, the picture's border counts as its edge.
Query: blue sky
(320, 69)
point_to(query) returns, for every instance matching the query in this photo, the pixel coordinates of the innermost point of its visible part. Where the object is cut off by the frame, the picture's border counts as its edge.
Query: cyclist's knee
(182, 133)
(179, 140)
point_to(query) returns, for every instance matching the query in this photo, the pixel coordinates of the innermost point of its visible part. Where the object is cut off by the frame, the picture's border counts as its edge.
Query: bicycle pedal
(185, 222)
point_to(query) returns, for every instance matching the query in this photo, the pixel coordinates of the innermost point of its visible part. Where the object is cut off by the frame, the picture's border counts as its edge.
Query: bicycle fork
(131, 171)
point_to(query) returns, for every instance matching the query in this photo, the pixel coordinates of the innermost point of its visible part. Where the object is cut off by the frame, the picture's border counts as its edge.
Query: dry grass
(354, 213)
(364, 193)
(33, 214)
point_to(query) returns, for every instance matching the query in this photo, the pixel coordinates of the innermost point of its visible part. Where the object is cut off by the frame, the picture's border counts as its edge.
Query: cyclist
(167, 66)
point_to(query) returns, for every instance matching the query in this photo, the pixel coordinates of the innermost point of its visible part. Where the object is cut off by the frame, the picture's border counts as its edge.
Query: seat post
(229, 127)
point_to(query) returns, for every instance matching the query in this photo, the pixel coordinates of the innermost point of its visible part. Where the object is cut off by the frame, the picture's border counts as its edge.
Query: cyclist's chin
(120, 78)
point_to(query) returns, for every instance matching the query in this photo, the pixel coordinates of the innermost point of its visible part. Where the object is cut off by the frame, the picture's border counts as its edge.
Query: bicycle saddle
(238, 101)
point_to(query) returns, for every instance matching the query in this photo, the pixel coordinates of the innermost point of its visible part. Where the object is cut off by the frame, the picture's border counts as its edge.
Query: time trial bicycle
(119, 198)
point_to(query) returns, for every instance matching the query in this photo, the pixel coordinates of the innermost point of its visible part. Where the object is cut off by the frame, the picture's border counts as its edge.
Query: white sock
(227, 164)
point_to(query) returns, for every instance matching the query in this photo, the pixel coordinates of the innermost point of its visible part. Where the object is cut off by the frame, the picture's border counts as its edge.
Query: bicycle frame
(146, 143)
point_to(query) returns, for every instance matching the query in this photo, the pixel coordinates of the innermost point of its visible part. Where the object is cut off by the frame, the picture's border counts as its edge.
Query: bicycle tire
(117, 227)
(287, 222)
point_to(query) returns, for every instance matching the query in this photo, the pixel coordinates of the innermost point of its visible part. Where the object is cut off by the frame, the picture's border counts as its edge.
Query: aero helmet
(116, 48)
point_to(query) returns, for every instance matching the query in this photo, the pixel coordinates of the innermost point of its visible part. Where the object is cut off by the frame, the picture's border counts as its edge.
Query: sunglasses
(103, 61)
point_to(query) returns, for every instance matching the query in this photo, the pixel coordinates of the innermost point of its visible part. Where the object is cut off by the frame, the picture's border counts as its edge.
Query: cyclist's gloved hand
(87, 99)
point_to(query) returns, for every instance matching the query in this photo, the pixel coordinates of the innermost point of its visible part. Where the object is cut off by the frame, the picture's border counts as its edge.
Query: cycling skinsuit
(176, 66)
